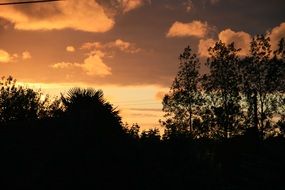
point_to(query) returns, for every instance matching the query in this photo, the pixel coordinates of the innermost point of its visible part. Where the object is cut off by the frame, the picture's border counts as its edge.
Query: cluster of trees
(20, 104)
(79, 140)
(238, 94)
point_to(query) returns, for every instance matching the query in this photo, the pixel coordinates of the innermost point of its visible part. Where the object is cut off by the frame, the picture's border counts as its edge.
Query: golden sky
(127, 48)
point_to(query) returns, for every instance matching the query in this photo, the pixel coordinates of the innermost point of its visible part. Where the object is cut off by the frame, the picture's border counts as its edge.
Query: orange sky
(127, 48)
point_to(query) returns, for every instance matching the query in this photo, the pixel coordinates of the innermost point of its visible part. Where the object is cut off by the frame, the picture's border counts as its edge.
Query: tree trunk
(255, 111)
(261, 112)
(226, 112)
(190, 119)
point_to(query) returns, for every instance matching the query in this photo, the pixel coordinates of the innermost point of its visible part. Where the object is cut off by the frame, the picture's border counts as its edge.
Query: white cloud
(4, 56)
(204, 45)
(93, 65)
(189, 5)
(70, 49)
(195, 28)
(276, 34)
(26, 55)
(241, 39)
(118, 44)
(124, 46)
(128, 5)
(84, 15)
(92, 45)
(63, 65)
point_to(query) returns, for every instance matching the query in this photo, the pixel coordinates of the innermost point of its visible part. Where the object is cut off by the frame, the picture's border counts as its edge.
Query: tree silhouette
(19, 103)
(132, 131)
(236, 94)
(223, 82)
(262, 81)
(89, 110)
(181, 104)
(150, 136)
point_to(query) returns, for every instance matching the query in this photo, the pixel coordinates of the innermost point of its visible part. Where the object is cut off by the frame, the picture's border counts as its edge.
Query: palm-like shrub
(89, 109)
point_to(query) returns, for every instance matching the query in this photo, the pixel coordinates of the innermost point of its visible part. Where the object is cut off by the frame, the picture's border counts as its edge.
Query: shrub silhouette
(88, 110)
(19, 103)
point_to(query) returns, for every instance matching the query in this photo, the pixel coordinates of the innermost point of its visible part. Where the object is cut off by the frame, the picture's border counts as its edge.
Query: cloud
(241, 39)
(64, 65)
(204, 45)
(189, 5)
(93, 65)
(195, 28)
(146, 109)
(70, 49)
(115, 7)
(160, 93)
(118, 44)
(276, 34)
(83, 15)
(128, 5)
(26, 55)
(4, 56)
(91, 45)
(124, 46)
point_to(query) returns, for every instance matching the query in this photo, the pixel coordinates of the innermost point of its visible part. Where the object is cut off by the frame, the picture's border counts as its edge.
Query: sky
(127, 48)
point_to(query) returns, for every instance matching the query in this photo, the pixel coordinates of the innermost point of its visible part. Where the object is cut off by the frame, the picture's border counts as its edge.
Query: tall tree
(278, 73)
(223, 82)
(182, 102)
(260, 77)
(278, 67)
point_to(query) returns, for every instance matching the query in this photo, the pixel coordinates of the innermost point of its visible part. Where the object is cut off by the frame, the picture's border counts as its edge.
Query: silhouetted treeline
(239, 92)
(79, 141)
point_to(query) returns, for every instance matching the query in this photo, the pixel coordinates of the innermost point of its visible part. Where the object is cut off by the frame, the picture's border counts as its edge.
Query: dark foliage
(79, 141)
(237, 93)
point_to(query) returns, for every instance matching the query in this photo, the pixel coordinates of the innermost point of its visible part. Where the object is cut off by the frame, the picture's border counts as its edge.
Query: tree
(277, 66)
(151, 136)
(262, 80)
(93, 113)
(223, 82)
(19, 103)
(181, 104)
(132, 131)
(277, 72)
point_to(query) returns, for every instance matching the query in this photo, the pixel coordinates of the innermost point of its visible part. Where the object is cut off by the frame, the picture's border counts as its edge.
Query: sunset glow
(127, 48)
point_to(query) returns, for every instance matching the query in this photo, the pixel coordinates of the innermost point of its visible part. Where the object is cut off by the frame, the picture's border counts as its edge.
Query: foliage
(90, 113)
(19, 103)
(150, 136)
(181, 104)
(236, 94)
(89, 103)
(132, 131)
(223, 82)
